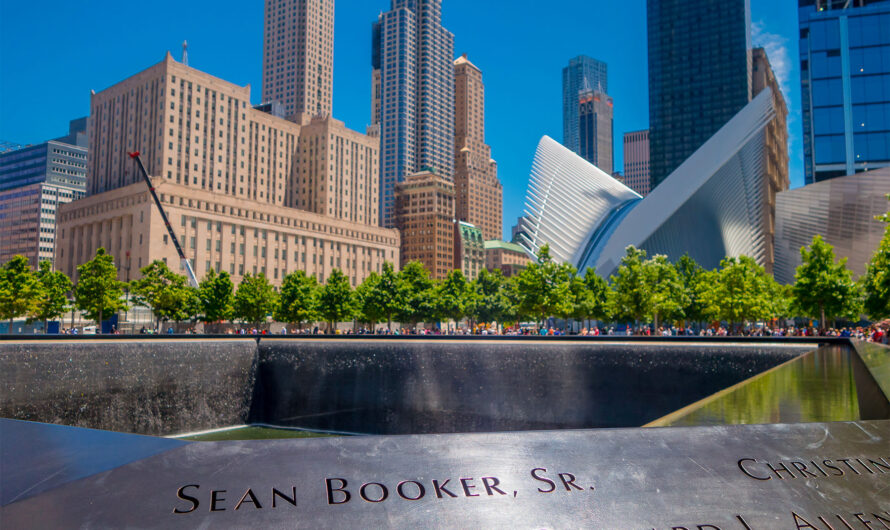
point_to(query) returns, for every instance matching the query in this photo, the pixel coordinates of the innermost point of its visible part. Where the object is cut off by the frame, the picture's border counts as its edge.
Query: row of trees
(643, 290)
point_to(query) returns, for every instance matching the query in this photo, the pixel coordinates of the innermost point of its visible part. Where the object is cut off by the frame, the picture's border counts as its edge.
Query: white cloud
(776, 47)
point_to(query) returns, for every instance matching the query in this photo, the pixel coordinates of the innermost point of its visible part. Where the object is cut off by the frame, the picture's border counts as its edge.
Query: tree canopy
(166, 293)
(876, 282)
(54, 289)
(824, 288)
(255, 299)
(298, 299)
(98, 293)
(217, 295)
(336, 301)
(20, 290)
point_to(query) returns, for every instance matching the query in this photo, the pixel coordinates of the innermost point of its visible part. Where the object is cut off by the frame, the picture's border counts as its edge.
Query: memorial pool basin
(409, 386)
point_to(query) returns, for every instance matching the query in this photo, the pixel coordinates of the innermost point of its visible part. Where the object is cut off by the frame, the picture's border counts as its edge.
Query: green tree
(20, 290)
(668, 292)
(98, 292)
(217, 297)
(632, 289)
(336, 302)
(166, 293)
(451, 297)
(876, 282)
(543, 288)
(592, 295)
(255, 299)
(740, 291)
(417, 298)
(823, 287)
(298, 301)
(692, 276)
(489, 302)
(53, 300)
(367, 308)
(384, 298)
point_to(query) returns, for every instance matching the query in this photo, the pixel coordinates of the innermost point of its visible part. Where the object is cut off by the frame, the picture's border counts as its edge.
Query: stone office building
(219, 162)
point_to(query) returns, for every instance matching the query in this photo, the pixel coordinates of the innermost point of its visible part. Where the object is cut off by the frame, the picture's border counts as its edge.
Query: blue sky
(53, 53)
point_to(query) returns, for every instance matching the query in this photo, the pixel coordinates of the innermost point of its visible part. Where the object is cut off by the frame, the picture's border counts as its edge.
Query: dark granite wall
(151, 387)
(400, 387)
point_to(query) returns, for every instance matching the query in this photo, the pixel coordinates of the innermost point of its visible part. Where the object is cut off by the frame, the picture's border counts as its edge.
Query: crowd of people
(878, 333)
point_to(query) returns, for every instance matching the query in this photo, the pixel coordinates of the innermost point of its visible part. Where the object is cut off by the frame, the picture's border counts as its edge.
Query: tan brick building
(425, 219)
(244, 170)
(478, 191)
(221, 232)
(336, 172)
(776, 152)
(509, 258)
(298, 56)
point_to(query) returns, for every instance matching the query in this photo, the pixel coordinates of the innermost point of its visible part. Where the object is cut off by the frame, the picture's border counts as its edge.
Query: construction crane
(186, 264)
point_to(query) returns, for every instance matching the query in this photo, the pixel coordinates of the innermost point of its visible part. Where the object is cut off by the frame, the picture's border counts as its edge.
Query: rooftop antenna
(185, 52)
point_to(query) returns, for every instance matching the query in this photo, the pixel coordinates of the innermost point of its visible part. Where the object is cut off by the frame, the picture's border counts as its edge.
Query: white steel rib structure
(710, 207)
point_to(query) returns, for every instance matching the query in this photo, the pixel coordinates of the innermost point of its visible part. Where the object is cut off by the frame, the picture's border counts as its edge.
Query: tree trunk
(822, 320)
(99, 331)
(10, 325)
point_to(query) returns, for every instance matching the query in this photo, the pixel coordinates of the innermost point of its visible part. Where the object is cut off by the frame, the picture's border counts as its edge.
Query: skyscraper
(595, 128)
(479, 195)
(413, 107)
(845, 85)
(582, 73)
(636, 161)
(775, 155)
(699, 75)
(298, 55)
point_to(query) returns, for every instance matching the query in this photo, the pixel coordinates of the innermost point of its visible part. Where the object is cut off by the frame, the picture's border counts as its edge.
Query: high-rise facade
(845, 85)
(413, 90)
(479, 195)
(245, 191)
(595, 128)
(34, 182)
(336, 172)
(636, 161)
(699, 75)
(424, 215)
(298, 55)
(582, 73)
(775, 158)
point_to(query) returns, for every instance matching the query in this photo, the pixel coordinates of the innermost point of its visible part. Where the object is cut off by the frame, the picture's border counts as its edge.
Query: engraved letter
(342, 489)
(384, 493)
(214, 499)
(802, 469)
(467, 487)
(542, 479)
(253, 499)
(800, 522)
(420, 489)
(291, 500)
(440, 489)
(492, 486)
(745, 471)
(569, 482)
(782, 467)
(840, 472)
(863, 521)
(183, 496)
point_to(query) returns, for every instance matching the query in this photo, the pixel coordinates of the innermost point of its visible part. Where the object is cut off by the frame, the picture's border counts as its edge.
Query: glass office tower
(582, 73)
(699, 75)
(845, 86)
